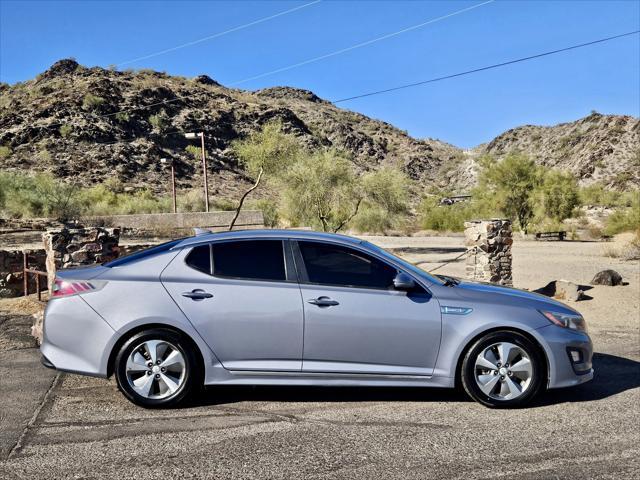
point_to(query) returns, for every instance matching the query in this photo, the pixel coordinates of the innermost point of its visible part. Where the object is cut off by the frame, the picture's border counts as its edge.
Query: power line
(353, 47)
(219, 34)
(488, 67)
(359, 45)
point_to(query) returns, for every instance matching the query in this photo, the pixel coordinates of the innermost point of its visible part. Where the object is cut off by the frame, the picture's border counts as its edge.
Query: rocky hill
(603, 148)
(93, 124)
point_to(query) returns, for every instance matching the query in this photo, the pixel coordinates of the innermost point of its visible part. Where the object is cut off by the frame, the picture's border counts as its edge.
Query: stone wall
(11, 277)
(187, 220)
(489, 251)
(75, 247)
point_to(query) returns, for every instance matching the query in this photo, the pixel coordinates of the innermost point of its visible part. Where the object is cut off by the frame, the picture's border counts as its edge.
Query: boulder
(562, 290)
(610, 278)
(36, 328)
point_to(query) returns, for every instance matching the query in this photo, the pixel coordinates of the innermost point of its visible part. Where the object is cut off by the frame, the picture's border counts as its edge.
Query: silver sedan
(304, 308)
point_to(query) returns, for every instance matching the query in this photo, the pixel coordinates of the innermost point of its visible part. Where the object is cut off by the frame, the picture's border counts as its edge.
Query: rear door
(243, 298)
(356, 322)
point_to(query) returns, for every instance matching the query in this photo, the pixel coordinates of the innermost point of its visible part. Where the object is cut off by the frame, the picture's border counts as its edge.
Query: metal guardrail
(25, 276)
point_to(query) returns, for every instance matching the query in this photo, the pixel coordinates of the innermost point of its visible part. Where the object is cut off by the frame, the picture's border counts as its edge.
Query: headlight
(565, 320)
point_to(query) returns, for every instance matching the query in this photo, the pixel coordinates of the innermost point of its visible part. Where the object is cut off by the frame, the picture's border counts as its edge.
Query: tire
(161, 379)
(490, 380)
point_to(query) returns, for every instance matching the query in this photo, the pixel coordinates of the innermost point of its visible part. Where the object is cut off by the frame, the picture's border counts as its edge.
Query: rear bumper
(564, 371)
(75, 338)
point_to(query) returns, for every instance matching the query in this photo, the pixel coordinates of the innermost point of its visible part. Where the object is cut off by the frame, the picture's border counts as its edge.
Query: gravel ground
(83, 428)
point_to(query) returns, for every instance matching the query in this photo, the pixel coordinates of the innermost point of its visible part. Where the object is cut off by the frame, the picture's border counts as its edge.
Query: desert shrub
(625, 219)
(91, 102)
(195, 152)
(269, 209)
(223, 204)
(44, 156)
(442, 218)
(191, 201)
(39, 195)
(122, 117)
(159, 121)
(65, 130)
(598, 194)
(5, 152)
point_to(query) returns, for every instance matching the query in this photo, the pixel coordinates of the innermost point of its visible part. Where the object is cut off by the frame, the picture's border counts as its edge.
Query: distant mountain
(603, 148)
(91, 124)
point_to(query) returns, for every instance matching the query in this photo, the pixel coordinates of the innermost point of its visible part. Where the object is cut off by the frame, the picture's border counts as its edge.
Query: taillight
(63, 288)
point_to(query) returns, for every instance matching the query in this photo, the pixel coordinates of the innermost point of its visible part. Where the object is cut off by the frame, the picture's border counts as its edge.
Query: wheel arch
(478, 336)
(149, 326)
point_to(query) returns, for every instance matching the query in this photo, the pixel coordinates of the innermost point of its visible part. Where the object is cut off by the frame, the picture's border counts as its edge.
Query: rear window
(142, 254)
(247, 260)
(200, 259)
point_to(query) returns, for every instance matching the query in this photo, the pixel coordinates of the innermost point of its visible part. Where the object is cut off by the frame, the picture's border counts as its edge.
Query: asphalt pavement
(57, 426)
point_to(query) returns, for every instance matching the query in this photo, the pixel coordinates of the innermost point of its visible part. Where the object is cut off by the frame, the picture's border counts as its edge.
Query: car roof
(266, 234)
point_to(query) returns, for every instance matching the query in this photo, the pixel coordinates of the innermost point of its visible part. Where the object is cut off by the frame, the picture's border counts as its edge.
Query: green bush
(65, 130)
(159, 121)
(91, 102)
(269, 210)
(625, 219)
(195, 152)
(5, 152)
(39, 195)
(122, 117)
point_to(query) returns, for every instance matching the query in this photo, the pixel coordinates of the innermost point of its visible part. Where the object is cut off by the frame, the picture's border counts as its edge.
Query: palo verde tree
(323, 190)
(512, 182)
(559, 195)
(263, 154)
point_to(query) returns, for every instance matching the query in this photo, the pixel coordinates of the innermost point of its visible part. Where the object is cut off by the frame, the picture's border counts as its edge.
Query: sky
(464, 111)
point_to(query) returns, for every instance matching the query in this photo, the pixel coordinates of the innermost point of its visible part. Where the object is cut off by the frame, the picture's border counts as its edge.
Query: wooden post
(25, 279)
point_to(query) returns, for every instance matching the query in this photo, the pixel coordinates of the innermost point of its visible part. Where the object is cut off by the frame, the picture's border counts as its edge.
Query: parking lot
(66, 426)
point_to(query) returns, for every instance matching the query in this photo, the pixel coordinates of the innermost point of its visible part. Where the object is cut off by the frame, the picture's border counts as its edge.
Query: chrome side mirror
(402, 281)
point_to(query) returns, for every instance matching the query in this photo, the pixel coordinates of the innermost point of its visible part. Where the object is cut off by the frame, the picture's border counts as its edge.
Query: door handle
(197, 294)
(323, 302)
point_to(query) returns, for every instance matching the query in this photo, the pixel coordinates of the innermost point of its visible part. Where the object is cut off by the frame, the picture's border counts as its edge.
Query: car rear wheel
(503, 370)
(156, 368)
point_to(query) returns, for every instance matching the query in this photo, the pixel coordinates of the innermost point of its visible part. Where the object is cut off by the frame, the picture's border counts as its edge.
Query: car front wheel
(503, 370)
(156, 368)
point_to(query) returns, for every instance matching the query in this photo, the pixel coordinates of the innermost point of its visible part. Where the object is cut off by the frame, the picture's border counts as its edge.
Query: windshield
(406, 265)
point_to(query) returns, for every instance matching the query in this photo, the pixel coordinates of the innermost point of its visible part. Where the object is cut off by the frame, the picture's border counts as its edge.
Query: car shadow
(221, 395)
(613, 375)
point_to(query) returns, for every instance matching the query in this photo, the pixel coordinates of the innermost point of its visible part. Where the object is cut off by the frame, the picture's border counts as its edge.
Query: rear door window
(250, 260)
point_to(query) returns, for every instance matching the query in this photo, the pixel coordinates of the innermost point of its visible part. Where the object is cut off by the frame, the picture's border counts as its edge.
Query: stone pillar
(489, 251)
(79, 246)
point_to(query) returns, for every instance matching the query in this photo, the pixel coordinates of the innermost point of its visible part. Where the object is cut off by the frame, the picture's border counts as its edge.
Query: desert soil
(66, 426)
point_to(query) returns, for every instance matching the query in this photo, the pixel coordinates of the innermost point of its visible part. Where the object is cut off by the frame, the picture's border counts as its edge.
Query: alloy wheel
(503, 371)
(156, 369)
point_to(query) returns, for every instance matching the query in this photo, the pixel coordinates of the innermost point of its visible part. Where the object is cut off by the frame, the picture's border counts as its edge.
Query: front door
(243, 300)
(355, 322)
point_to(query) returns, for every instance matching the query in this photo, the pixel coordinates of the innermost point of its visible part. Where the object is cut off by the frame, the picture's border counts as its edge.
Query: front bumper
(567, 369)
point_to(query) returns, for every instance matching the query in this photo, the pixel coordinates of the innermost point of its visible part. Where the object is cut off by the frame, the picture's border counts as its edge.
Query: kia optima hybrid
(270, 307)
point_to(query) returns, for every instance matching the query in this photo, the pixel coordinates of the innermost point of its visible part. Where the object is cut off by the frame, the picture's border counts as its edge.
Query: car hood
(474, 290)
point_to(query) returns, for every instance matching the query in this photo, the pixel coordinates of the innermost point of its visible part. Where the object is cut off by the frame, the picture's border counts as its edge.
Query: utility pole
(171, 163)
(204, 166)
